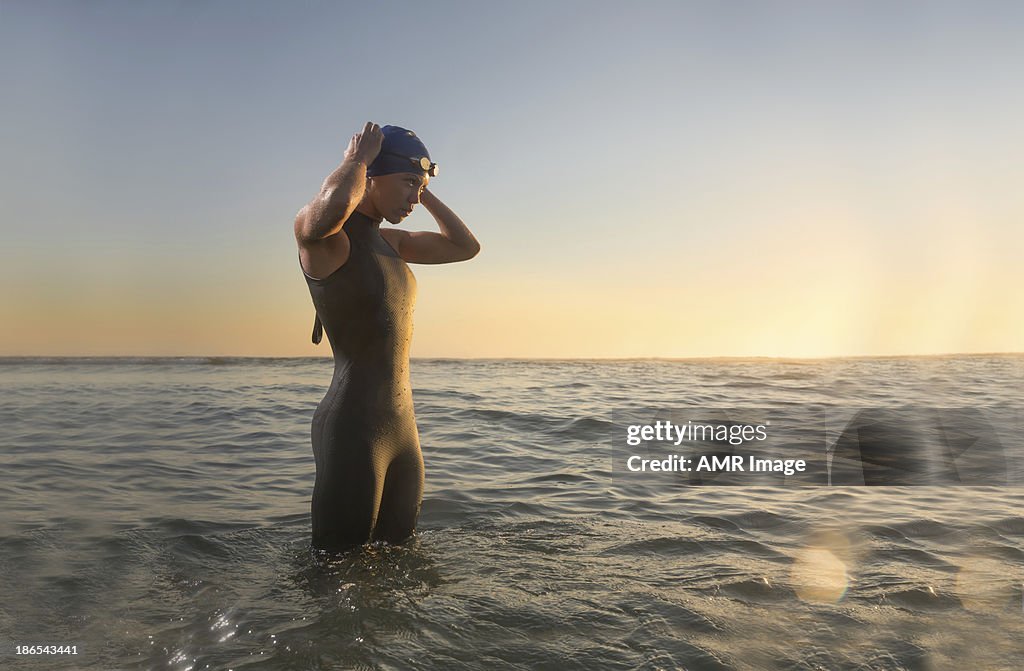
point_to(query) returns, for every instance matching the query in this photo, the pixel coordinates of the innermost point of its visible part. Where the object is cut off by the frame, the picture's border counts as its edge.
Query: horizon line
(9, 357)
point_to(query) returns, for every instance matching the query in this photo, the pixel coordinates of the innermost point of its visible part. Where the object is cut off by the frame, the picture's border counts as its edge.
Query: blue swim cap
(400, 145)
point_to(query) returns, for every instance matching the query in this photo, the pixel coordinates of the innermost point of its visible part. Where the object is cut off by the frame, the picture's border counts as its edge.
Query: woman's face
(396, 194)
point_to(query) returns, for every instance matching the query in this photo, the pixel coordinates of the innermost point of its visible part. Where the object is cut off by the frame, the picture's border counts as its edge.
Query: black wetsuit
(369, 469)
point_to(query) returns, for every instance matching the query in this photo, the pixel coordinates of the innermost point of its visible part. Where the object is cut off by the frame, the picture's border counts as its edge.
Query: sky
(658, 179)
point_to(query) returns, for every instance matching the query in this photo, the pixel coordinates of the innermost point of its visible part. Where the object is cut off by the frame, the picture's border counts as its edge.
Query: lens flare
(819, 576)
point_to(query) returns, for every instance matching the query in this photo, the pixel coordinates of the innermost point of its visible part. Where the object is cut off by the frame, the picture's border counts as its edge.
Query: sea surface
(155, 514)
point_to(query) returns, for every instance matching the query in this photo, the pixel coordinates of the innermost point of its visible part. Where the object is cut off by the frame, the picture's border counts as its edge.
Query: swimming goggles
(423, 163)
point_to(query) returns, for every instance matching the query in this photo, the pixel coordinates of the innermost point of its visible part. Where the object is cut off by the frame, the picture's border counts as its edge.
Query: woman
(369, 469)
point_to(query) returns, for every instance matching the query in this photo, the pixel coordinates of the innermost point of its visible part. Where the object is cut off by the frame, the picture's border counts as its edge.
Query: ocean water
(156, 516)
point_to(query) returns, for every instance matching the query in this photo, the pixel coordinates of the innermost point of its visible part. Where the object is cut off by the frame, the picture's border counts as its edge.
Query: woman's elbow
(299, 225)
(305, 227)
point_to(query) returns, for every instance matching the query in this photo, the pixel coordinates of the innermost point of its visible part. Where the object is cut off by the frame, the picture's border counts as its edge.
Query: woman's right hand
(365, 145)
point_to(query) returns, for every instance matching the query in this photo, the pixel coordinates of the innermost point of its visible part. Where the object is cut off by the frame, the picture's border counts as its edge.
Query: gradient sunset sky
(796, 179)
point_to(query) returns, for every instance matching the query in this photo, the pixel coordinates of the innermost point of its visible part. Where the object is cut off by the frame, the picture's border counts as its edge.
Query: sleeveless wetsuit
(369, 469)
